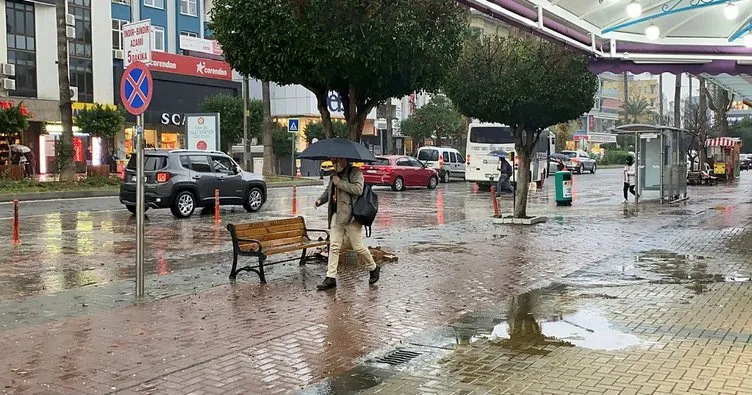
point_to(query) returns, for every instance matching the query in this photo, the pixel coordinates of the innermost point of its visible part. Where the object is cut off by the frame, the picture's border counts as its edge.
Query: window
(453, 157)
(200, 163)
(152, 163)
(445, 156)
(414, 163)
(491, 135)
(428, 154)
(188, 7)
(381, 162)
(158, 38)
(22, 51)
(185, 162)
(403, 162)
(189, 34)
(154, 3)
(126, 2)
(222, 164)
(79, 49)
(117, 33)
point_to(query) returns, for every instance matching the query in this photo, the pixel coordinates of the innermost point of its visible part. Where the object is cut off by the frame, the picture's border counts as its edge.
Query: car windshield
(428, 155)
(491, 135)
(571, 154)
(152, 163)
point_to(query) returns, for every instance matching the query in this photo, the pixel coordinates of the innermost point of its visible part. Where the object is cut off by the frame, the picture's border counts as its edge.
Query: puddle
(690, 270)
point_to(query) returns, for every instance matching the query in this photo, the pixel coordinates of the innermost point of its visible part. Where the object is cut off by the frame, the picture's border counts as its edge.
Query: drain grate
(398, 357)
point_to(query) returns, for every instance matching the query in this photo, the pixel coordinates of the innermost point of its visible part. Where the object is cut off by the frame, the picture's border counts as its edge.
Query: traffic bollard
(294, 200)
(16, 239)
(495, 202)
(216, 206)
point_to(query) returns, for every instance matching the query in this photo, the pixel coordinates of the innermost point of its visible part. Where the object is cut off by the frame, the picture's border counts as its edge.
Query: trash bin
(563, 183)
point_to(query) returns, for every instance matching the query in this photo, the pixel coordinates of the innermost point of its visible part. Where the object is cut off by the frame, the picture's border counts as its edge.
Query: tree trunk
(626, 95)
(322, 104)
(723, 104)
(677, 100)
(267, 130)
(67, 166)
(523, 144)
(661, 119)
(700, 144)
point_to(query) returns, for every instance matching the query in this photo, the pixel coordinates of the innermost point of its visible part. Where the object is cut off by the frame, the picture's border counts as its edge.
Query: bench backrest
(272, 232)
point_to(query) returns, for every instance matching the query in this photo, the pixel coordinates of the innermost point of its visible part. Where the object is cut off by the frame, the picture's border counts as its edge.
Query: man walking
(345, 186)
(505, 170)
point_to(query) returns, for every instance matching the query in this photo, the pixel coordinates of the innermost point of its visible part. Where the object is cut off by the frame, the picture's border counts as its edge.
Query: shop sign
(200, 45)
(202, 131)
(335, 102)
(190, 65)
(137, 42)
(173, 119)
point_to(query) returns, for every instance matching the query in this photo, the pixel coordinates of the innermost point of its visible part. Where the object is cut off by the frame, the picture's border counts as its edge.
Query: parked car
(183, 180)
(579, 161)
(745, 161)
(448, 162)
(400, 172)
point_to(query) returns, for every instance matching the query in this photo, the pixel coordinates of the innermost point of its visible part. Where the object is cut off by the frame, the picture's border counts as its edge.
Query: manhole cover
(398, 357)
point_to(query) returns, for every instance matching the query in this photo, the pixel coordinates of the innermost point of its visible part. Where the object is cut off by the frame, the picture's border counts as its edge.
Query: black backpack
(366, 207)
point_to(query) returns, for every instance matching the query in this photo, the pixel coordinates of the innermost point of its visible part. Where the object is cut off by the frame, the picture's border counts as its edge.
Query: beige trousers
(354, 234)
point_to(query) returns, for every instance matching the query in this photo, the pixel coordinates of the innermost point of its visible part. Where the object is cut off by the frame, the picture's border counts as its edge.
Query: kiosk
(724, 151)
(661, 157)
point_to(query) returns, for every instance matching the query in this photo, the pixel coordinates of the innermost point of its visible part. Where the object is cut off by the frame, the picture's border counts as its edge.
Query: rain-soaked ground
(469, 305)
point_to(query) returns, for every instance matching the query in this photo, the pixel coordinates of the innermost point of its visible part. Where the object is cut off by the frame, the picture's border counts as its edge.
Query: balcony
(610, 93)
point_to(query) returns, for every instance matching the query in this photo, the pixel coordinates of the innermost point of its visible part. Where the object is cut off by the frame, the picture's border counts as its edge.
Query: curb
(31, 196)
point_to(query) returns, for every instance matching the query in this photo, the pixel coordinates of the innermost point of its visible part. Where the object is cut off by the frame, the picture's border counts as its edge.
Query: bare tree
(65, 164)
(720, 103)
(697, 123)
(268, 130)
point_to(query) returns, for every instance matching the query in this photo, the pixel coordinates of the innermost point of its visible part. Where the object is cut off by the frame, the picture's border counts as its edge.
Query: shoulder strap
(368, 231)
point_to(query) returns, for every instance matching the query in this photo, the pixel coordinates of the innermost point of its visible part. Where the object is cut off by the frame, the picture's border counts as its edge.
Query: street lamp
(652, 32)
(731, 11)
(634, 9)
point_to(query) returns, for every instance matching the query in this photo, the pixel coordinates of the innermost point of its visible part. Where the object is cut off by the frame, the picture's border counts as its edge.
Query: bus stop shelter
(661, 157)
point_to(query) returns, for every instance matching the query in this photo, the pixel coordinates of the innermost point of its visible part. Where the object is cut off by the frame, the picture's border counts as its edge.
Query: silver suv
(183, 180)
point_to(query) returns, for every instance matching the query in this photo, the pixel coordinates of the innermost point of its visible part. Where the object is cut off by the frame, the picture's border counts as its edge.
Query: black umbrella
(337, 148)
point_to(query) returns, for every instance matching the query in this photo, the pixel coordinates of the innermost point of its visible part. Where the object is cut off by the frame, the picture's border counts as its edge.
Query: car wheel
(445, 177)
(580, 169)
(433, 182)
(399, 184)
(184, 205)
(592, 169)
(253, 200)
(132, 209)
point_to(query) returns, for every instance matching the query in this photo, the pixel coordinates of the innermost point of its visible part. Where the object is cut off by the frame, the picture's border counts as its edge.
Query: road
(77, 242)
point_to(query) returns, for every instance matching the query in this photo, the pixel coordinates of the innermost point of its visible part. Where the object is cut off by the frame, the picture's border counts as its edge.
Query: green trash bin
(563, 184)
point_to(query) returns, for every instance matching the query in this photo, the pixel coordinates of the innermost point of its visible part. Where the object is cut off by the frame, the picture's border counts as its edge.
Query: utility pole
(660, 102)
(677, 100)
(247, 162)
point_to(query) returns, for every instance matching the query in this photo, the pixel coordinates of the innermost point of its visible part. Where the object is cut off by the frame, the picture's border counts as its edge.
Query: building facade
(187, 67)
(29, 41)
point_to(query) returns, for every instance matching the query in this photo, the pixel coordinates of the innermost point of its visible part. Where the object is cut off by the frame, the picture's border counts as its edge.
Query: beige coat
(349, 188)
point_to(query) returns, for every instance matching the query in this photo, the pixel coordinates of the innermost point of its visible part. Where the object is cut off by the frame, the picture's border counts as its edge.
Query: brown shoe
(328, 283)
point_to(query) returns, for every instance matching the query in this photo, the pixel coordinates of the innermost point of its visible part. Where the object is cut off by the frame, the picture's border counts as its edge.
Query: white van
(446, 160)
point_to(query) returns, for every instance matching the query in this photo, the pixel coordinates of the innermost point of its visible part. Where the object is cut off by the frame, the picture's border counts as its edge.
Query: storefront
(181, 83)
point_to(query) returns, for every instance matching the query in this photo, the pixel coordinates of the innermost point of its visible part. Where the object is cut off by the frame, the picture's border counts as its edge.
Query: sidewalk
(285, 336)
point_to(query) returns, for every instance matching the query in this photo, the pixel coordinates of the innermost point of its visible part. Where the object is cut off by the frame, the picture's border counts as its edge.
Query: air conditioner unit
(74, 93)
(70, 32)
(118, 53)
(8, 84)
(70, 19)
(7, 69)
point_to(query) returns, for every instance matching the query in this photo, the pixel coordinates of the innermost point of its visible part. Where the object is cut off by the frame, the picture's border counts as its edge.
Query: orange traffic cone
(297, 174)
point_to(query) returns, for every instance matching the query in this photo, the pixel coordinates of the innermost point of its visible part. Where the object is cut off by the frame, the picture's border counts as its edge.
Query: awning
(722, 142)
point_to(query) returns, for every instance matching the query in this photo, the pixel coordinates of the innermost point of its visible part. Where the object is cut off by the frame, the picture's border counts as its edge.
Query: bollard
(216, 206)
(476, 188)
(297, 173)
(294, 200)
(15, 240)
(495, 202)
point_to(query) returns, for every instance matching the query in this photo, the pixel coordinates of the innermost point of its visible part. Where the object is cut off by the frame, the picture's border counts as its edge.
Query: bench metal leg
(303, 257)
(234, 271)
(260, 272)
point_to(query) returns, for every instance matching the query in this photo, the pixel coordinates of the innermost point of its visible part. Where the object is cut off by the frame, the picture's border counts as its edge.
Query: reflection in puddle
(582, 329)
(691, 270)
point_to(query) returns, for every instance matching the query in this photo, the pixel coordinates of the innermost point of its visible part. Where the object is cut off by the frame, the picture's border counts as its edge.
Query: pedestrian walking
(506, 171)
(345, 186)
(629, 179)
(30, 164)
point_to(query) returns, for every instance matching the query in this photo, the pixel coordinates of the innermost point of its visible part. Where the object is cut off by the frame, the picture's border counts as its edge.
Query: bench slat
(269, 223)
(296, 247)
(270, 230)
(272, 236)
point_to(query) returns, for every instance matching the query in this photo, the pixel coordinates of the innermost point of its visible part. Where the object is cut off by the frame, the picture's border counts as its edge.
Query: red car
(400, 172)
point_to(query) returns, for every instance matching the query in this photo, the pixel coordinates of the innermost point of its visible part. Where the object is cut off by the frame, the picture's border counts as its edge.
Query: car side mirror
(236, 169)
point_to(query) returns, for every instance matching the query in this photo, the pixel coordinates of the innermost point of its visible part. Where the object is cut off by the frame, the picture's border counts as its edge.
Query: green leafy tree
(100, 120)
(366, 50)
(636, 110)
(564, 132)
(281, 140)
(315, 130)
(514, 81)
(230, 109)
(439, 120)
(743, 130)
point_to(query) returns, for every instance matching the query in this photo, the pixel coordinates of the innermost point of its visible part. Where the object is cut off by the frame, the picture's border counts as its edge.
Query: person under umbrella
(505, 173)
(345, 186)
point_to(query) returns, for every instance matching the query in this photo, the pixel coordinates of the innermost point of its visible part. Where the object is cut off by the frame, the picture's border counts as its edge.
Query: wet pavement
(481, 305)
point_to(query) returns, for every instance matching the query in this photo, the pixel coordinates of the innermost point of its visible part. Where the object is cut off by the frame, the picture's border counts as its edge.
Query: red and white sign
(196, 44)
(137, 42)
(189, 65)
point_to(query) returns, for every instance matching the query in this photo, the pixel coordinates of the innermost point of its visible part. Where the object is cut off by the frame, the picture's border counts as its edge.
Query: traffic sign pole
(140, 206)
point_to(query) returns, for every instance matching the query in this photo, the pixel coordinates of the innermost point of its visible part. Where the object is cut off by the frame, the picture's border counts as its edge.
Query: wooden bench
(265, 238)
(698, 178)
